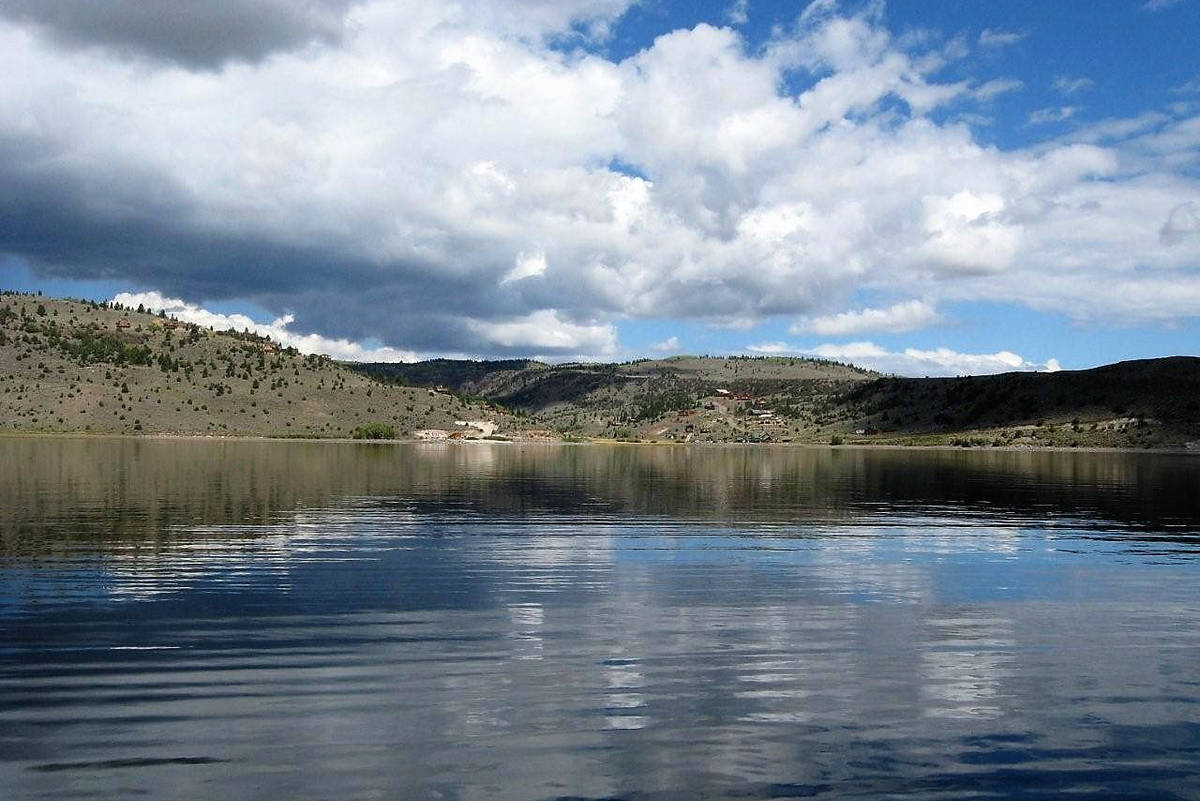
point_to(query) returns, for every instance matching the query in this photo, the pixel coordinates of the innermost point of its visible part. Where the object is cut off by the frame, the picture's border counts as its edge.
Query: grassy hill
(1151, 403)
(77, 366)
(683, 398)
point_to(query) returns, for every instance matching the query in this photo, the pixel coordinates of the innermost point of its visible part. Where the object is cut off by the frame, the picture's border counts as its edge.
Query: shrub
(374, 431)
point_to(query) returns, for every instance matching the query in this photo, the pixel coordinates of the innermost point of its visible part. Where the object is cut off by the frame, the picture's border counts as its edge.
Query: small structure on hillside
(123, 322)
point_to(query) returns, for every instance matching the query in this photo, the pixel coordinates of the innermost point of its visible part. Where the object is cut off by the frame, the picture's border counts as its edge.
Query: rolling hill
(1147, 403)
(662, 399)
(78, 366)
(85, 367)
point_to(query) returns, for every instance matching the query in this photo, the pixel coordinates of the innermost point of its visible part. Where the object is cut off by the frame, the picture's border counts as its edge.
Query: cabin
(123, 322)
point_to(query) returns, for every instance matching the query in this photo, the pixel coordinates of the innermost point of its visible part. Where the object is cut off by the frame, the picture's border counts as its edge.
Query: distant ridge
(1140, 403)
(1143, 402)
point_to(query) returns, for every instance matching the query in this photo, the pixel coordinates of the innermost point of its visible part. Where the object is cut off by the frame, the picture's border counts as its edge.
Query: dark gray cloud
(114, 223)
(199, 34)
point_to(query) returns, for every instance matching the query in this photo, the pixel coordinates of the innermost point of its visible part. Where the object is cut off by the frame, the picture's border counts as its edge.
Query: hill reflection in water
(72, 492)
(243, 620)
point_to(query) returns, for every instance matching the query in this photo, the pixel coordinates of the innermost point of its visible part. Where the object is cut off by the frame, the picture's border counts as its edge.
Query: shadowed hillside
(1151, 403)
(1148, 402)
(460, 375)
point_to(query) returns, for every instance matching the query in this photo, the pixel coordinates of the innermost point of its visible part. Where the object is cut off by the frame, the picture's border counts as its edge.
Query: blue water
(289, 620)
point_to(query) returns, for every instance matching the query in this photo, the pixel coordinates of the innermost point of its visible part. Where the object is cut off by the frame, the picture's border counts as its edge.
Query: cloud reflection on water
(476, 628)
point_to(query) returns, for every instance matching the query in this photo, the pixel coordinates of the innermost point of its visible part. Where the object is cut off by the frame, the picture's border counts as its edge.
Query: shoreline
(158, 436)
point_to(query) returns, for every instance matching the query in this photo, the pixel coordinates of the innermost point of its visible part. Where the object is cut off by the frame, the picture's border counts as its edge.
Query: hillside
(1151, 403)
(1142, 403)
(460, 375)
(77, 366)
(683, 398)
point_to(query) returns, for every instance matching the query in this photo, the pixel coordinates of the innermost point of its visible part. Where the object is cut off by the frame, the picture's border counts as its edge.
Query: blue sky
(923, 188)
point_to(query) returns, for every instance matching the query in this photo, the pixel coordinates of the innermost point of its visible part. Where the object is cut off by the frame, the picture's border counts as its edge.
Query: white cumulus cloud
(449, 177)
(911, 361)
(968, 232)
(905, 316)
(529, 265)
(276, 329)
(668, 345)
(545, 330)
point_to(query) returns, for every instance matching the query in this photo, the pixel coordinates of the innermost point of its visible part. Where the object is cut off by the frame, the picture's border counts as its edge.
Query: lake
(292, 620)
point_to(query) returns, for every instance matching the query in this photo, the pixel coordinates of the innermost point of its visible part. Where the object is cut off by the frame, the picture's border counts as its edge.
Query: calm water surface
(251, 620)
